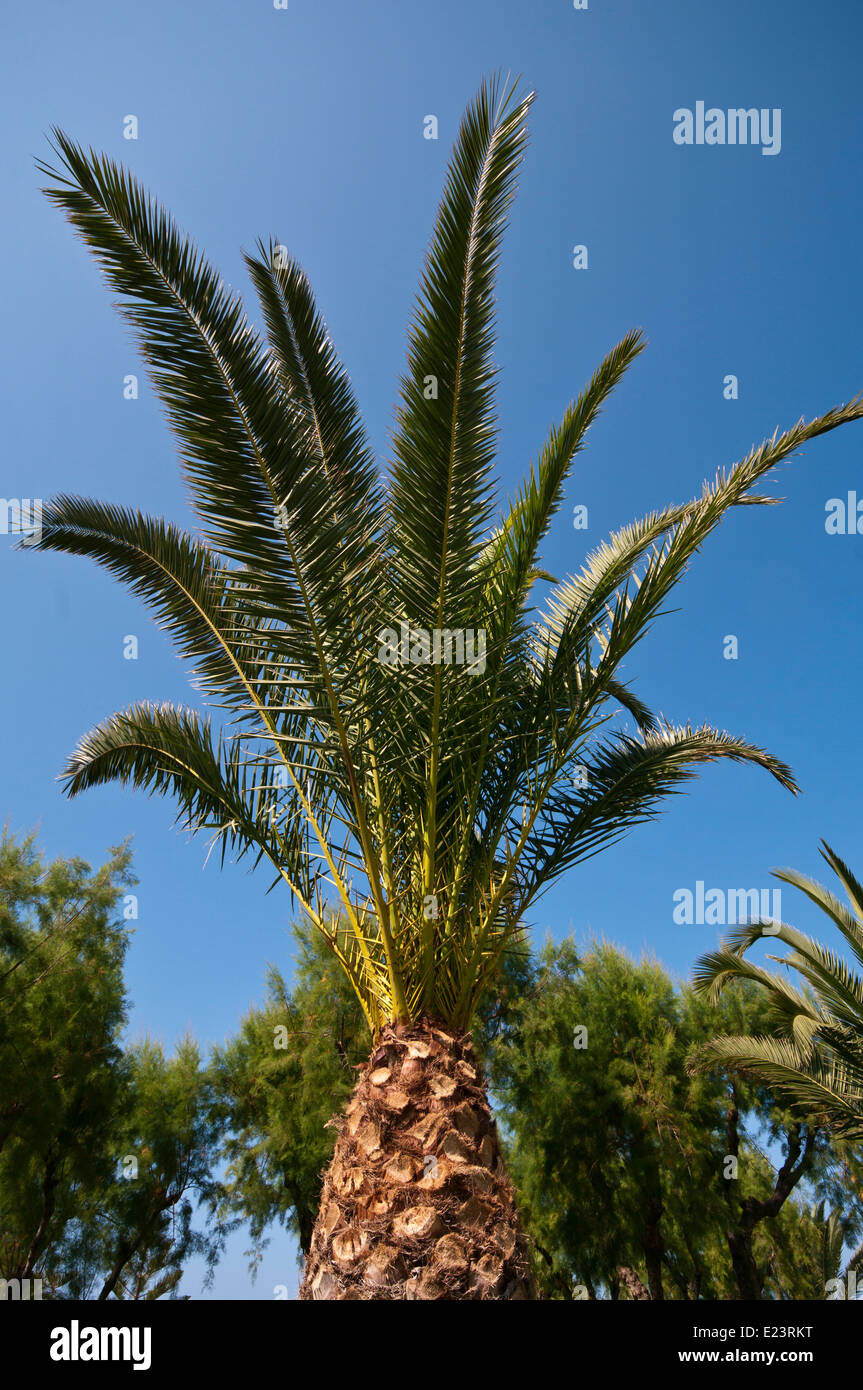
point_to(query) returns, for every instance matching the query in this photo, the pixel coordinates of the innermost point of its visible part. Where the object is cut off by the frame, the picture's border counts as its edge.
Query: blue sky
(308, 124)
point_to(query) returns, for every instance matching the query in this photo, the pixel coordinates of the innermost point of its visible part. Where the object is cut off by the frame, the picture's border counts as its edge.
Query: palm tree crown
(815, 1059)
(416, 748)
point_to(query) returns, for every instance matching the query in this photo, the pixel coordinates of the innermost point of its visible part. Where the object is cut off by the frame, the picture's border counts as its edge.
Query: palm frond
(195, 598)
(171, 751)
(626, 781)
(815, 1059)
(828, 1095)
(444, 440)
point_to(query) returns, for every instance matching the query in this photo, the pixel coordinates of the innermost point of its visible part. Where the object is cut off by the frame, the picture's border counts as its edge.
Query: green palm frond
(611, 585)
(626, 781)
(832, 1243)
(206, 362)
(195, 598)
(264, 496)
(509, 560)
(415, 752)
(815, 1058)
(828, 1095)
(715, 969)
(440, 495)
(854, 890)
(848, 922)
(320, 392)
(172, 752)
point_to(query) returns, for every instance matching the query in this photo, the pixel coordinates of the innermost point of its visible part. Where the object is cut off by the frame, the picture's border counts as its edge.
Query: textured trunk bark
(416, 1203)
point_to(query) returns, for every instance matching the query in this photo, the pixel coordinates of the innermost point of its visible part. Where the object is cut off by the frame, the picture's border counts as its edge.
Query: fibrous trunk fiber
(416, 1202)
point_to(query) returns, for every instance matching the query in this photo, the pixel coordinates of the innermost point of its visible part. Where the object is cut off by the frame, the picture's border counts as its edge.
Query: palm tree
(835, 1281)
(415, 748)
(814, 1060)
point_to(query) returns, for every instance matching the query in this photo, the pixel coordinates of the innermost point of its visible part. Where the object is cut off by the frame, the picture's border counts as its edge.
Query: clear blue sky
(308, 124)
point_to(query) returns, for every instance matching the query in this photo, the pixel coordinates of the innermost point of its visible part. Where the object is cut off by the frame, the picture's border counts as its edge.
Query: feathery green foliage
(101, 1148)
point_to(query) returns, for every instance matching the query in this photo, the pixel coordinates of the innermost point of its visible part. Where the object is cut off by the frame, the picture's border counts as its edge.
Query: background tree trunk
(654, 1247)
(636, 1290)
(416, 1202)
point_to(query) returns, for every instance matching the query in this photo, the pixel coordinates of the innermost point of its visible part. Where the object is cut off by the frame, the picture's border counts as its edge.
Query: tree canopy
(105, 1147)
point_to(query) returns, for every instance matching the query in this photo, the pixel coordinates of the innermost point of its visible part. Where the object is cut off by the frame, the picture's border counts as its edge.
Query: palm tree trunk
(416, 1202)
